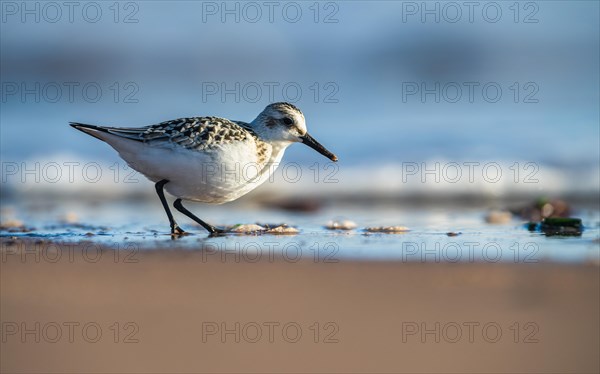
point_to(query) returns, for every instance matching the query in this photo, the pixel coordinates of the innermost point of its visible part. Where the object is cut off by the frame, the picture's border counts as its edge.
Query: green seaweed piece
(560, 221)
(562, 226)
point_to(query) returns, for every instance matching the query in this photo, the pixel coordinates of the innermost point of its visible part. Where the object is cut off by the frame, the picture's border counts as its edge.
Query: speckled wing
(199, 133)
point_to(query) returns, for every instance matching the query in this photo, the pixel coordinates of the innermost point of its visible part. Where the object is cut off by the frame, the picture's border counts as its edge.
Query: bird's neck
(278, 150)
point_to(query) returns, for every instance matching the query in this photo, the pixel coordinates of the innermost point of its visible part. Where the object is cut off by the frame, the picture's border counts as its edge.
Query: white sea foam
(71, 174)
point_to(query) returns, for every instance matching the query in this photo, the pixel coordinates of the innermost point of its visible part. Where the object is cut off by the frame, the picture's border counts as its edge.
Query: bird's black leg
(175, 229)
(211, 229)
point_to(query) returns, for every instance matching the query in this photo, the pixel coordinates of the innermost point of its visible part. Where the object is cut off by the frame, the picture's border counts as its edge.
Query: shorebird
(208, 159)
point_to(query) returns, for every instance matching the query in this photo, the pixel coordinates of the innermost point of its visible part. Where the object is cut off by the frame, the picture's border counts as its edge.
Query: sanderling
(208, 159)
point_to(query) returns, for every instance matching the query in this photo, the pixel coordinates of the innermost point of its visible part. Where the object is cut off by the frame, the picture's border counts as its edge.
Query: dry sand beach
(182, 311)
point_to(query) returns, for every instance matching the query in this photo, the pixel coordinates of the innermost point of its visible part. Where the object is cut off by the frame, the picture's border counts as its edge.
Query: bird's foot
(216, 232)
(177, 231)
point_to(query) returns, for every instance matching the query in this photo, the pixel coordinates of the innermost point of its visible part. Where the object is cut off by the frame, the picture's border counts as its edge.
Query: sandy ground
(183, 311)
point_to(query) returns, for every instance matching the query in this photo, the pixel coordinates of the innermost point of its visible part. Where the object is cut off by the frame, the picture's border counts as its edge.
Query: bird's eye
(288, 121)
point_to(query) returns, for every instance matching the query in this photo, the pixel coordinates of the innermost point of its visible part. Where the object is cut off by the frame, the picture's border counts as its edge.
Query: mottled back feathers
(196, 133)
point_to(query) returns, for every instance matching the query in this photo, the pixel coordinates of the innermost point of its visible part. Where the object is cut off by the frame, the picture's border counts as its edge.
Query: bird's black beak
(311, 142)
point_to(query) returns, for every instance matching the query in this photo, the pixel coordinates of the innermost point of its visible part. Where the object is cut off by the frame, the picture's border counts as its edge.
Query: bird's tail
(133, 133)
(92, 130)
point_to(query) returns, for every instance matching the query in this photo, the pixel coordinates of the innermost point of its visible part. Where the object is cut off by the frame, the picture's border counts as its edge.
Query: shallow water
(139, 226)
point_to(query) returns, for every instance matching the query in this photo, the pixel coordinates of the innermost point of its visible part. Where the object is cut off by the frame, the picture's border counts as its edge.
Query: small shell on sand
(283, 230)
(343, 225)
(69, 218)
(251, 229)
(242, 229)
(498, 217)
(388, 229)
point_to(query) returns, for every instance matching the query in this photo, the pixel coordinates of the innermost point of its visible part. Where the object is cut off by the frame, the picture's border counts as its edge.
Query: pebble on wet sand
(498, 217)
(544, 208)
(14, 225)
(11, 224)
(69, 218)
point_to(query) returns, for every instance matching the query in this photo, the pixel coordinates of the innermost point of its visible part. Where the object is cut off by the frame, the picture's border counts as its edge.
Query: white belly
(225, 176)
(217, 176)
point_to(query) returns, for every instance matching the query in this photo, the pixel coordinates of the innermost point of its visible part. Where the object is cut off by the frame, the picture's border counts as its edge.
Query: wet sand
(184, 311)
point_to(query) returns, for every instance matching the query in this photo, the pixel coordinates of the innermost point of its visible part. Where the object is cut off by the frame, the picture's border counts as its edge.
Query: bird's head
(284, 122)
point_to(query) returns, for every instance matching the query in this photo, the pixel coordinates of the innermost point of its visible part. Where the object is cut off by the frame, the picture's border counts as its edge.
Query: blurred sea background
(357, 65)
